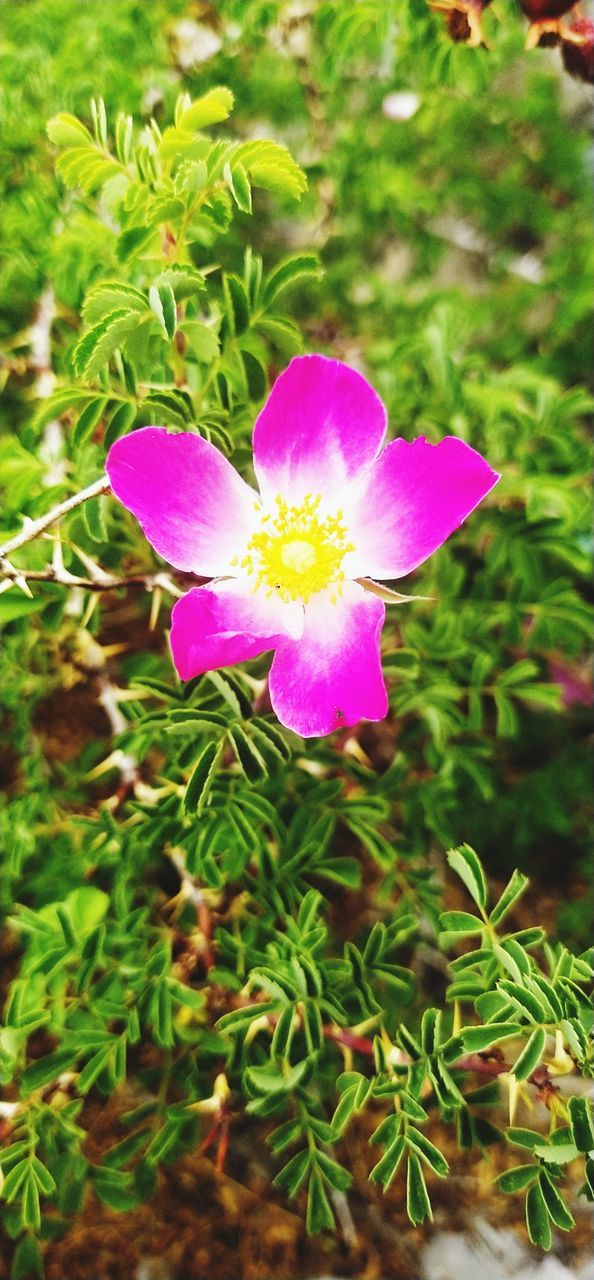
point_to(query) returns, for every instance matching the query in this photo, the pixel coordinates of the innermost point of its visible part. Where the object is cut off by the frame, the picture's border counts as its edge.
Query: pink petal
(193, 506)
(413, 497)
(332, 677)
(321, 424)
(219, 625)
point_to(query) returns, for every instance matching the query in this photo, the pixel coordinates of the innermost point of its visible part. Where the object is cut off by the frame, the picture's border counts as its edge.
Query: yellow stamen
(298, 552)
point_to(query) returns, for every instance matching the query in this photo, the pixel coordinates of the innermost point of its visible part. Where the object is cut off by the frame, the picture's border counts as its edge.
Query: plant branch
(101, 582)
(32, 528)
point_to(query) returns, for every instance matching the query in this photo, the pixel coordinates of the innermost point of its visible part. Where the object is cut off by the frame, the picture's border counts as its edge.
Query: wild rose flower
(463, 19)
(577, 49)
(290, 565)
(544, 16)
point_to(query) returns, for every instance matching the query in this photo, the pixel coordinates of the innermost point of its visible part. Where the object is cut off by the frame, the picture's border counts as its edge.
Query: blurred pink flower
(333, 508)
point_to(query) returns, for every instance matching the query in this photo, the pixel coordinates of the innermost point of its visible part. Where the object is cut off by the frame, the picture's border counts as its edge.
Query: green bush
(176, 866)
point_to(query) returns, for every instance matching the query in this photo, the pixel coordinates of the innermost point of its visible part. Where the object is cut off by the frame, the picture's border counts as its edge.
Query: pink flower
(287, 562)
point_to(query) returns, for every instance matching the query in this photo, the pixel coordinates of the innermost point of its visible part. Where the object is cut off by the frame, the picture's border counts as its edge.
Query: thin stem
(104, 582)
(33, 528)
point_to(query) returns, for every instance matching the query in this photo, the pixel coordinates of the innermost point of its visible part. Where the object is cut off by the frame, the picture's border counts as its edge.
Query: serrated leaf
(185, 280)
(477, 1039)
(86, 167)
(289, 272)
(557, 1152)
(112, 295)
(529, 1004)
(530, 1055)
(96, 347)
(271, 166)
(202, 778)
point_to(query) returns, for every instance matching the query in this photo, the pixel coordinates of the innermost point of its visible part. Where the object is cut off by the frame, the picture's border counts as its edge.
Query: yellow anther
(297, 552)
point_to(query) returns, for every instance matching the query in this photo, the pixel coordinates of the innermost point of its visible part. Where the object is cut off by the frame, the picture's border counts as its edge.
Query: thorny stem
(32, 528)
(104, 582)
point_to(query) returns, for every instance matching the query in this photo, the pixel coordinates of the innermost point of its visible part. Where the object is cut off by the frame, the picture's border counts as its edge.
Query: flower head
(289, 563)
(577, 49)
(463, 19)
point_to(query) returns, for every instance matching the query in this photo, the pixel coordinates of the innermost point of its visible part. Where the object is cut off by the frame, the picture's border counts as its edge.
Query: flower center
(298, 552)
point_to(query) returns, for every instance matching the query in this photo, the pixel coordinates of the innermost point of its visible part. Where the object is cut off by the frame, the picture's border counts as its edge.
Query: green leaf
(237, 182)
(285, 1136)
(335, 1174)
(64, 130)
(239, 1019)
(289, 272)
(211, 108)
(119, 424)
(203, 342)
(87, 167)
(418, 1205)
(557, 1152)
(319, 1216)
(517, 1178)
(283, 1033)
(116, 1192)
(461, 922)
(202, 778)
(526, 1138)
(524, 1000)
(59, 402)
(582, 1129)
(556, 1206)
(112, 295)
(516, 886)
(530, 1055)
(237, 303)
(45, 1070)
(27, 1260)
(184, 280)
(251, 761)
(477, 1039)
(97, 346)
(162, 302)
(88, 420)
(430, 1153)
(465, 863)
(537, 1218)
(292, 1176)
(386, 1169)
(271, 166)
(30, 1207)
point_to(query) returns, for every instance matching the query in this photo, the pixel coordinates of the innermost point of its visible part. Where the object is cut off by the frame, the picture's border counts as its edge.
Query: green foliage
(164, 842)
